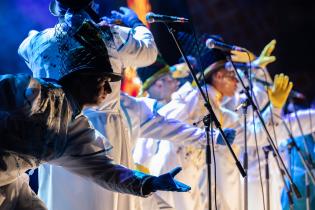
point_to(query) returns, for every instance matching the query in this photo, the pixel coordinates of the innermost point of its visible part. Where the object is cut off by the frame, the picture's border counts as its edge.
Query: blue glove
(230, 136)
(127, 16)
(165, 182)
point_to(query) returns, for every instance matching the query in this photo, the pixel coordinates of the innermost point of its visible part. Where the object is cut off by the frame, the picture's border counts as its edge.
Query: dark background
(247, 23)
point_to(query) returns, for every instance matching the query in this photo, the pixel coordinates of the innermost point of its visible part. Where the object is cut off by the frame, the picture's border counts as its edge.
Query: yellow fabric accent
(218, 100)
(142, 94)
(194, 84)
(155, 77)
(142, 168)
(280, 91)
(265, 57)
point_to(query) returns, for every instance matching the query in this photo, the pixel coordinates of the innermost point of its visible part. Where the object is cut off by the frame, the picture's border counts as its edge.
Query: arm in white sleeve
(159, 127)
(13, 95)
(136, 47)
(153, 125)
(85, 158)
(24, 48)
(306, 118)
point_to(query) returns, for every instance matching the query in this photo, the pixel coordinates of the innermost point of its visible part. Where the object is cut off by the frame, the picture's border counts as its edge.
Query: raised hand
(280, 90)
(127, 16)
(265, 57)
(166, 182)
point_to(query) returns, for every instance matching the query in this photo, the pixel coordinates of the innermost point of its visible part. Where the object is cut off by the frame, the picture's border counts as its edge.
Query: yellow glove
(242, 57)
(280, 91)
(142, 168)
(265, 57)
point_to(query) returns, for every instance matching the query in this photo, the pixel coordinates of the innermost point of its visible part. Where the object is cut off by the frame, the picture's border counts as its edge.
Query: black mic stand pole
(271, 142)
(290, 169)
(211, 117)
(266, 150)
(245, 105)
(287, 189)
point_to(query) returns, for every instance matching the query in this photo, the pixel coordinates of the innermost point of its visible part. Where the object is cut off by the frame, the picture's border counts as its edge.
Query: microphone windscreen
(150, 17)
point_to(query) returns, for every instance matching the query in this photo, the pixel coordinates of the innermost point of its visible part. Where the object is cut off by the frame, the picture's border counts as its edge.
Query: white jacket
(187, 105)
(129, 47)
(137, 120)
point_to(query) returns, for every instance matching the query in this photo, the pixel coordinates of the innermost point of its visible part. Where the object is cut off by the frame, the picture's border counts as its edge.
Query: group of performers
(99, 148)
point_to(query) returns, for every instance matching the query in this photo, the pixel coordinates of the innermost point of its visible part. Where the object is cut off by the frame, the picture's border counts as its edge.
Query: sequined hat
(59, 7)
(57, 52)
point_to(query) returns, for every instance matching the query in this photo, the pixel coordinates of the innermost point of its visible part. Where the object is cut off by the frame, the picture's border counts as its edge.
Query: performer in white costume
(41, 121)
(187, 105)
(120, 126)
(261, 78)
(159, 84)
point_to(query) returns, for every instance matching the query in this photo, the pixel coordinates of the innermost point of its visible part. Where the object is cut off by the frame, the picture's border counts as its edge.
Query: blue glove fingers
(181, 187)
(124, 10)
(116, 14)
(108, 20)
(175, 171)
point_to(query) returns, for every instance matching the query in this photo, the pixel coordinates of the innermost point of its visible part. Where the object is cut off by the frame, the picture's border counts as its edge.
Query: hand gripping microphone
(155, 18)
(211, 43)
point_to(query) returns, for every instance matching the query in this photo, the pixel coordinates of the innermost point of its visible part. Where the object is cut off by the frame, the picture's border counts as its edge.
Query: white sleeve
(153, 125)
(159, 127)
(24, 48)
(85, 157)
(144, 150)
(306, 118)
(136, 47)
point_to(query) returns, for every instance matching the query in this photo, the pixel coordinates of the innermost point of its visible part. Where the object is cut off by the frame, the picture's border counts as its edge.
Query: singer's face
(96, 90)
(226, 82)
(170, 84)
(103, 88)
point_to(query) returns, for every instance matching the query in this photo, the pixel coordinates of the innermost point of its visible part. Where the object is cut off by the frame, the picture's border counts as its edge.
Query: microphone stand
(266, 150)
(244, 106)
(279, 161)
(211, 118)
(291, 202)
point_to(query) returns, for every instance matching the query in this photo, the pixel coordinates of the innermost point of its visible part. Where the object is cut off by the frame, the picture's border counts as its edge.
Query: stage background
(250, 24)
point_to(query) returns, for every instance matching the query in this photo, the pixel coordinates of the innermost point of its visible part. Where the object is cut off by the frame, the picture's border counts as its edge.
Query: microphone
(155, 18)
(211, 44)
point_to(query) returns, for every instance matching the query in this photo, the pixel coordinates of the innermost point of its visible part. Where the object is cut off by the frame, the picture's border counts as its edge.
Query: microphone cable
(254, 126)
